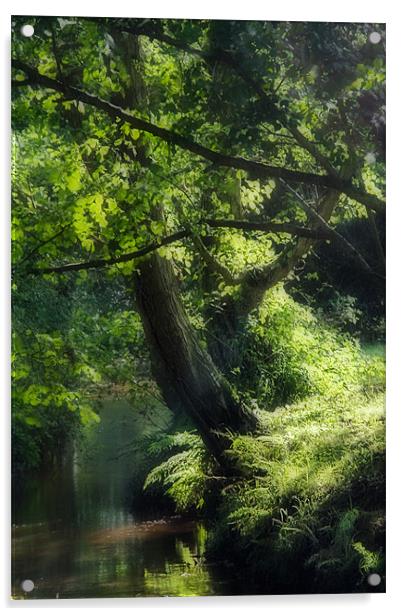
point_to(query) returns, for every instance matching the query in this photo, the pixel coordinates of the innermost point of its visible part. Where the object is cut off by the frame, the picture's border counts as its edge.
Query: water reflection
(74, 535)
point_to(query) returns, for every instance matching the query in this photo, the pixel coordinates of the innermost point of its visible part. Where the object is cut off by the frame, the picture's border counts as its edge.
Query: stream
(77, 534)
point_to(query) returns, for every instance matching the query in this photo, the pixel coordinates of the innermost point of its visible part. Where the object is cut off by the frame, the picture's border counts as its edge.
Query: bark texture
(182, 367)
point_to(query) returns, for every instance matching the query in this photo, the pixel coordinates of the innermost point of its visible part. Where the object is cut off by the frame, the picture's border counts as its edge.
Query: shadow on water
(75, 535)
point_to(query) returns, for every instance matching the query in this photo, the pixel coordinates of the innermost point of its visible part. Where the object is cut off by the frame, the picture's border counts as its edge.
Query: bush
(313, 478)
(286, 353)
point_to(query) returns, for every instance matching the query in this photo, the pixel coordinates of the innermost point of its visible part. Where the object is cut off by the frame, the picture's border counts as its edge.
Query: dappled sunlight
(198, 298)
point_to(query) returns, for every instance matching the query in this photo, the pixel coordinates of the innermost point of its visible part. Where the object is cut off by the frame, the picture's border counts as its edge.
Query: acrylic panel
(198, 224)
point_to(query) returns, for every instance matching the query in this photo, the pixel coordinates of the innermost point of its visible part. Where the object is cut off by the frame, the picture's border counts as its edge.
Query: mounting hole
(374, 579)
(375, 38)
(27, 585)
(27, 30)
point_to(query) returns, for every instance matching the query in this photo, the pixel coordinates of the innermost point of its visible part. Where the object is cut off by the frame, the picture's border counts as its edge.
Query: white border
(302, 10)
(309, 10)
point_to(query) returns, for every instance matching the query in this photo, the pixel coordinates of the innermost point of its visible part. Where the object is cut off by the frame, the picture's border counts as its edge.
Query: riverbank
(306, 513)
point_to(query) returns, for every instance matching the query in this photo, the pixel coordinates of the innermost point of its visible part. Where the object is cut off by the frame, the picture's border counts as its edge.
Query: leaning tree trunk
(183, 369)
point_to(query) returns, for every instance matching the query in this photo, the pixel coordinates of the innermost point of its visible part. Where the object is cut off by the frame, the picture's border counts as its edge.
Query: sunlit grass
(309, 496)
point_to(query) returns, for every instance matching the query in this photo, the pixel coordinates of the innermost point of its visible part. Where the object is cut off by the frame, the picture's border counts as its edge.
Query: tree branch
(255, 168)
(259, 279)
(256, 275)
(47, 241)
(335, 234)
(174, 237)
(224, 57)
(97, 263)
(214, 264)
(271, 227)
(16, 84)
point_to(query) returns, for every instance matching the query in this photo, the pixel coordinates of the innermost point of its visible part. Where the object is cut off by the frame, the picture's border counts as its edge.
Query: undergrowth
(307, 510)
(286, 353)
(184, 474)
(311, 503)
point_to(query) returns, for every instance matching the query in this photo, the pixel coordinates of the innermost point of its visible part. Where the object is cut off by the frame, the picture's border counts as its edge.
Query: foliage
(183, 474)
(316, 492)
(308, 512)
(354, 302)
(286, 353)
(61, 357)
(47, 407)
(99, 178)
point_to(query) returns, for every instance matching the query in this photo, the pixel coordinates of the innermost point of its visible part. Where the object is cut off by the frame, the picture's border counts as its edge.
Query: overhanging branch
(255, 168)
(97, 263)
(348, 247)
(156, 32)
(271, 227)
(245, 225)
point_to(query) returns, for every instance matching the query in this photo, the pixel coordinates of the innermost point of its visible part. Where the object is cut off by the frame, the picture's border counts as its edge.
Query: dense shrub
(286, 353)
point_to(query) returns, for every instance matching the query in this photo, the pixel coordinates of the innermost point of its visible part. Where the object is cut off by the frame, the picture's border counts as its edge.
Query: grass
(374, 349)
(311, 506)
(306, 512)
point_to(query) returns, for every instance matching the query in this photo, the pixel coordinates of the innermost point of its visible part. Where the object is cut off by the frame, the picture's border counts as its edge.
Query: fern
(183, 476)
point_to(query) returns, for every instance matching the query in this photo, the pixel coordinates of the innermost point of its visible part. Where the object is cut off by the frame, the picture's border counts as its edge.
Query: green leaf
(33, 421)
(73, 181)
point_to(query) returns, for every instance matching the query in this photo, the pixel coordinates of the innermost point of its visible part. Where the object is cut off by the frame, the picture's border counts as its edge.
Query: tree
(201, 160)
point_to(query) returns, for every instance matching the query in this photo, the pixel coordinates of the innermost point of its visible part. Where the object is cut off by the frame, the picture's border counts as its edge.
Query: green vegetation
(311, 483)
(316, 495)
(198, 226)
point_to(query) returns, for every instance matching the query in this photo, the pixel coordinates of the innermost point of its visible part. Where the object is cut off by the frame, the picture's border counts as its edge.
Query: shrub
(286, 353)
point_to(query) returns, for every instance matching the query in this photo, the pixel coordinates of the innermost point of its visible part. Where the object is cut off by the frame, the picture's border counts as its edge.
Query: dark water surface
(76, 534)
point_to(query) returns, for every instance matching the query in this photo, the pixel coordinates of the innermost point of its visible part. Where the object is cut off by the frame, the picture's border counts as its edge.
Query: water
(76, 533)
